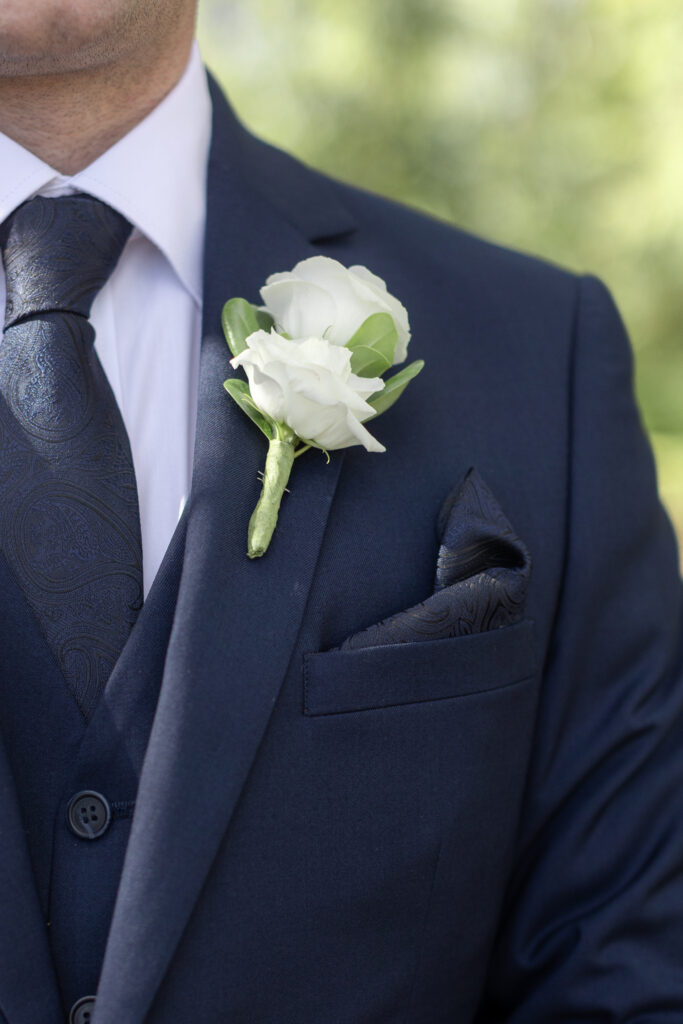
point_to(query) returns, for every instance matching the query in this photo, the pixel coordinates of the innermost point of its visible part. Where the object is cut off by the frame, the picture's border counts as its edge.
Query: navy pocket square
(482, 575)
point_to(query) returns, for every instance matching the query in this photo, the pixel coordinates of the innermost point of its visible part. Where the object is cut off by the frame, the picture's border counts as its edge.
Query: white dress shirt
(147, 318)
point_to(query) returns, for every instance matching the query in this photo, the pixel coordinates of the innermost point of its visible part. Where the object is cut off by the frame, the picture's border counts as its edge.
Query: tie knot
(58, 253)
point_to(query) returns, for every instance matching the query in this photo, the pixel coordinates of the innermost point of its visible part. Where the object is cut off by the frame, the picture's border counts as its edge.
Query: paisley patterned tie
(69, 518)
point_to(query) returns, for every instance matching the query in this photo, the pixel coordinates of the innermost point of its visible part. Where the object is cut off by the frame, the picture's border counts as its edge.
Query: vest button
(89, 815)
(82, 1011)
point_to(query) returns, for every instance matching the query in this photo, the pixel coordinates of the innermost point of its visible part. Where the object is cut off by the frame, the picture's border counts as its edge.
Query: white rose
(321, 298)
(309, 386)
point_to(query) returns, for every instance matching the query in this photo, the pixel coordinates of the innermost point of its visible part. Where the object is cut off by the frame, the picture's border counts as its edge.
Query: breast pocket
(370, 678)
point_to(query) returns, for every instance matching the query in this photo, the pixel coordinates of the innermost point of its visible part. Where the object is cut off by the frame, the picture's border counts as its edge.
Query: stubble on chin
(56, 37)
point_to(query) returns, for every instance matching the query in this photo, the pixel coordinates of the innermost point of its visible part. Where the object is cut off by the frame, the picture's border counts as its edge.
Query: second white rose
(309, 386)
(320, 297)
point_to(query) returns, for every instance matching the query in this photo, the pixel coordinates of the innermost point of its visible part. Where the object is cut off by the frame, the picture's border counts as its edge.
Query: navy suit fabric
(478, 828)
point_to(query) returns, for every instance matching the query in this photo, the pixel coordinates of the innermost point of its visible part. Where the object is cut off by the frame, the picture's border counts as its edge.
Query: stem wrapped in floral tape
(314, 356)
(279, 462)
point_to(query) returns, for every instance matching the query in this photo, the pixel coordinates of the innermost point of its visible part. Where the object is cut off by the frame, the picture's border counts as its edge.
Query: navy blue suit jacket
(481, 828)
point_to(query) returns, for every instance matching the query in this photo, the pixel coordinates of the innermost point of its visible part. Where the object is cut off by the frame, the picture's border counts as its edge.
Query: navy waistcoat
(54, 755)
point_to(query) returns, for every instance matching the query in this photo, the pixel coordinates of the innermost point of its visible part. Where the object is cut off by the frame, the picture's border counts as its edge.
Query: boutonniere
(314, 355)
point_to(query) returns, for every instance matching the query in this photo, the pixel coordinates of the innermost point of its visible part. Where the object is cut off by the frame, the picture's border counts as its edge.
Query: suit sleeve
(592, 929)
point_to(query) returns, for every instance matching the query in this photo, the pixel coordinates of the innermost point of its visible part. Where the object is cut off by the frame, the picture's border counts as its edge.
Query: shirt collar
(155, 175)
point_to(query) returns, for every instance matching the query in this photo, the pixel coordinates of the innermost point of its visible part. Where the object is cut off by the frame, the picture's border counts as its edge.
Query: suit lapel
(236, 620)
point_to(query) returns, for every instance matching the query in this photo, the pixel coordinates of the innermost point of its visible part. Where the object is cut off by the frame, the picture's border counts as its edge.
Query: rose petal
(309, 385)
(370, 443)
(378, 283)
(298, 308)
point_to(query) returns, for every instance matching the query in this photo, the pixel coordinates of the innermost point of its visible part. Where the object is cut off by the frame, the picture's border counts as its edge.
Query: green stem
(279, 463)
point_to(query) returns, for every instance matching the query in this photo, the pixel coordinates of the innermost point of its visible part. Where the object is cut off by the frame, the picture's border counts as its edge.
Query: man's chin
(23, 56)
(49, 36)
(16, 64)
(30, 58)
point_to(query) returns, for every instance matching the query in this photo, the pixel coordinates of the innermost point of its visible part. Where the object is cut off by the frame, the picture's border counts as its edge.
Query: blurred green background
(552, 126)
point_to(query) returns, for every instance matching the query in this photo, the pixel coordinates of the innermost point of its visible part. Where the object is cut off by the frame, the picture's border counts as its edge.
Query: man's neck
(70, 120)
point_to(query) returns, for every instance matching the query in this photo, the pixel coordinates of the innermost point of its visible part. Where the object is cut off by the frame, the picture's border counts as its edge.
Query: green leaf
(367, 362)
(378, 334)
(264, 320)
(394, 387)
(239, 320)
(239, 390)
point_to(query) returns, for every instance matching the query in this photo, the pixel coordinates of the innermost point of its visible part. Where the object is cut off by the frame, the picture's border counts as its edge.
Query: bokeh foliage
(553, 126)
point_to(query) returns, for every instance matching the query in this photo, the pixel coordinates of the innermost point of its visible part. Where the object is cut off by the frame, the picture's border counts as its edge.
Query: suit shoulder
(435, 267)
(447, 251)
(386, 234)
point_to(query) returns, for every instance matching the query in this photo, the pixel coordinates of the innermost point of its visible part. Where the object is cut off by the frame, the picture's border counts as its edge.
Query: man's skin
(76, 75)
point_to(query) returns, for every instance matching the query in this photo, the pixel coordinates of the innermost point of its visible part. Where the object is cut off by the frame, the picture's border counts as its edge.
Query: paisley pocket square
(482, 575)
